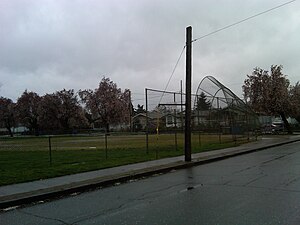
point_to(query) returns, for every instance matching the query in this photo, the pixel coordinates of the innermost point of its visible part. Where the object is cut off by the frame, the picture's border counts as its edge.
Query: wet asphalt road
(257, 188)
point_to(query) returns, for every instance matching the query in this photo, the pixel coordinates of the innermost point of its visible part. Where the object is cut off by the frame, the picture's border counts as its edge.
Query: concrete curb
(60, 190)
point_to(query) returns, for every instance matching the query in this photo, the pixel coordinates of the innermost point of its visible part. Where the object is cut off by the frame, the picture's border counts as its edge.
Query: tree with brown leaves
(27, 110)
(7, 118)
(268, 93)
(61, 111)
(295, 101)
(107, 104)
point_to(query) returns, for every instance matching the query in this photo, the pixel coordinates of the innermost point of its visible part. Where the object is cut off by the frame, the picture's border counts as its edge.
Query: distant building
(139, 121)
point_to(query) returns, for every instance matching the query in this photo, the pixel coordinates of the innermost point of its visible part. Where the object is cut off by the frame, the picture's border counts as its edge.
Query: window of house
(169, 119)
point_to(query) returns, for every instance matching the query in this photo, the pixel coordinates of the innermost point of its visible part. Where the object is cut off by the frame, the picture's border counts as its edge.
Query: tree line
(67, 110)
(266, 92)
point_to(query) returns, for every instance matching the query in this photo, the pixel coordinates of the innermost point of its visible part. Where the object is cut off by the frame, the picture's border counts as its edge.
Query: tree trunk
(298, 119)
(9, 131)
(8, 127)
(36, 130)
(286, 123)
(107, 128)
(35, 127)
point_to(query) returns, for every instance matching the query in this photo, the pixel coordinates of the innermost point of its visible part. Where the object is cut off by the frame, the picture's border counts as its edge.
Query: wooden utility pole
(181, 104)
(188, 88)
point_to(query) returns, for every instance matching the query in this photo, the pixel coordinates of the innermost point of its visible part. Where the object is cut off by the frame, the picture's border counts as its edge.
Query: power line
(137, 93)
(172, 73)
(243, 20)
(219, 30)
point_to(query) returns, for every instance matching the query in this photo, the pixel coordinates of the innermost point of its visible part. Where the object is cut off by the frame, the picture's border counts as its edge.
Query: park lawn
(72, 155)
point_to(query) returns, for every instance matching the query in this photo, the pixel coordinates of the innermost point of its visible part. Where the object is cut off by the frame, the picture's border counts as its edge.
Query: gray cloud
(50, 45)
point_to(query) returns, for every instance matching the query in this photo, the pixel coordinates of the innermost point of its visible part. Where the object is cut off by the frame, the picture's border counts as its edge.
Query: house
(139, 122)
(178, 119)
(200, 117)
(154, 118)
(173, 120)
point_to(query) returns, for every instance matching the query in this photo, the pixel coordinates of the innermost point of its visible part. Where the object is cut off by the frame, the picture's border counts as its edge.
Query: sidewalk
(17, 194)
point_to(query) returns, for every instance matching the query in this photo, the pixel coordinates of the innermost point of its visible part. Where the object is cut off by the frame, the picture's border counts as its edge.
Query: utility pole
(188, 89)
(181, 108)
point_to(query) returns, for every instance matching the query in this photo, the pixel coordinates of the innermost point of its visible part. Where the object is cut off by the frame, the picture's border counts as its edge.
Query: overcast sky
(46, 45)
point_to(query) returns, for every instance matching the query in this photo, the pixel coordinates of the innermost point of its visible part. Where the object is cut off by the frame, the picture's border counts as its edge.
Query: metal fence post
(147, 122)
(106, 153)
(50, 150)
(219, 121)
(175, 123)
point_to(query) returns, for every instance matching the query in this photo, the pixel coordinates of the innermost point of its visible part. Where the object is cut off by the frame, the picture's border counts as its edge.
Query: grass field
(28, 158)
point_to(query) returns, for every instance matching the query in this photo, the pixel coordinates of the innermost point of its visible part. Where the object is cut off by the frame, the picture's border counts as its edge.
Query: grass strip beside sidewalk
(24, 166)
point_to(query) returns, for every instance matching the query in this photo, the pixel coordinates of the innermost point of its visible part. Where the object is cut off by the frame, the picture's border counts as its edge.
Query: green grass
(27, 158)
